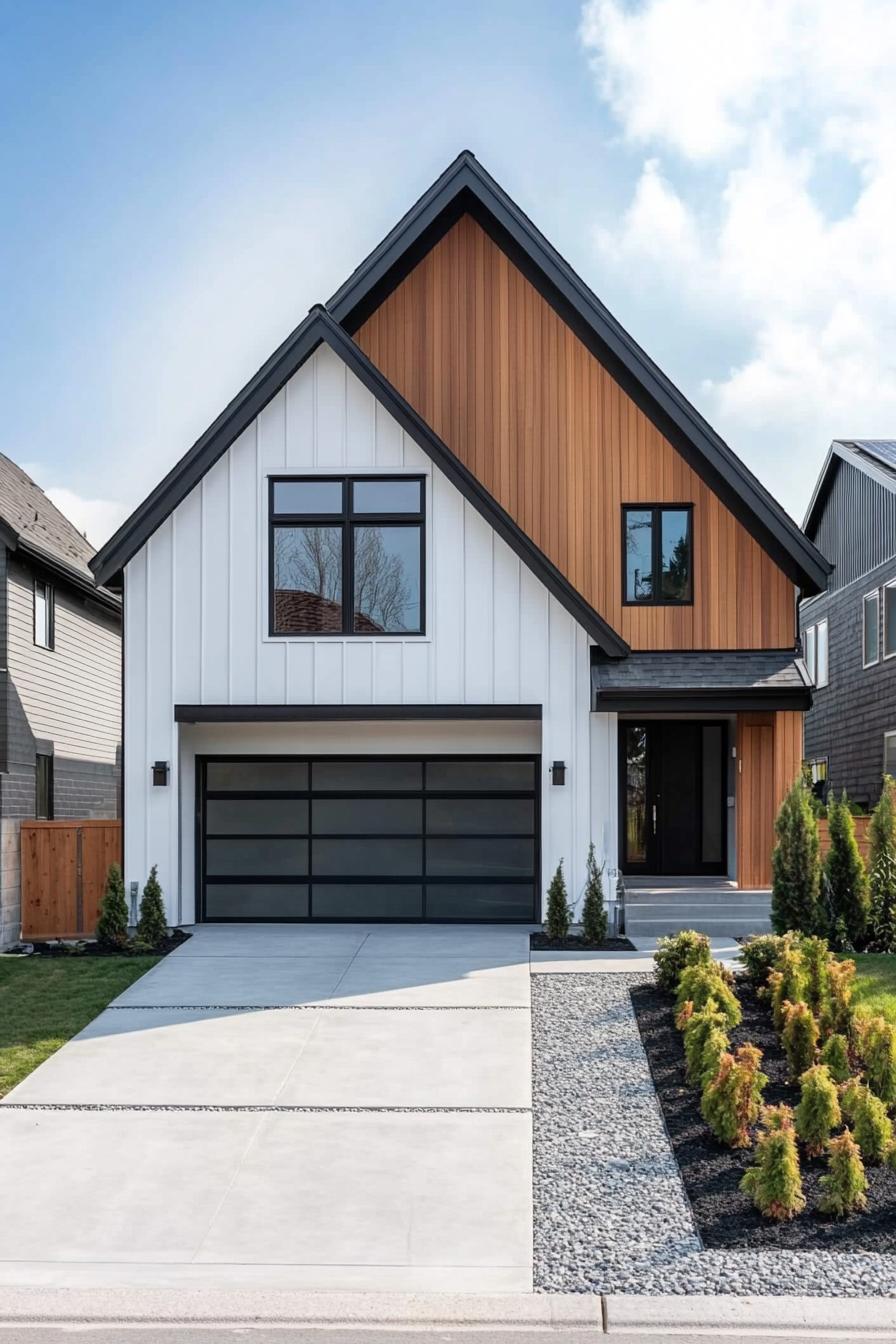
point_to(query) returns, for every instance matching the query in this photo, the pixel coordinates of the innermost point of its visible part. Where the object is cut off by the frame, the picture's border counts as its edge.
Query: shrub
(774, 1180)
(799, 1037)
(835, 1056)
(845, 1184)
(697, 1028)
(877, 1046)
(732, 1099)
(715, 1046)
(594, 913)
(846, 881)
(787, 983)
(840, 977)
(759, 954)
(818, 1114)
(816, 957)
(704, 982)
(870, 1123)
(882, 868)
(112, 925)
(152, 926)
(557, 923)
(673, 954)
(795, 864)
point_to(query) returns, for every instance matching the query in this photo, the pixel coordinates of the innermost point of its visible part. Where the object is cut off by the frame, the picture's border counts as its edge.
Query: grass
(875, 983)
(45, 1001)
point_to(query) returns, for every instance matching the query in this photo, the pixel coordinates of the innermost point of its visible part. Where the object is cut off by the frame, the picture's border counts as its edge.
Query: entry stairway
(654, 907)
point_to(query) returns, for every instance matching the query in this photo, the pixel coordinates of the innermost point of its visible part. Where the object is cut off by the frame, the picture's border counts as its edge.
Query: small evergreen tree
(816, 957)
(845, 1184)
(675, 952)
(732, 1099)
(787, 983)
(774, 1181)
(696, 1031)
(818, 1113)
(701, 983)
(846, 880)
(799, 1037)
(877, 1046)
(882, 868)
(841, 975)
(759, 954)
(594, 913)
(152, 926)
(871, 1125)
(112, 925)
(835, 1056)
(559, 914)
(715, 1045)
(795, 864)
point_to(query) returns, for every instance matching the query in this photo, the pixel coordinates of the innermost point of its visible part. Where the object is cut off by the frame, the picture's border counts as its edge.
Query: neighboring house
(60, 663)
(457, 583)
(849, 632)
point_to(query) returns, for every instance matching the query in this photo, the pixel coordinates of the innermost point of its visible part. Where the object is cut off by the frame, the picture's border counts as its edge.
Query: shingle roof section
(758, 670)
(36, 519)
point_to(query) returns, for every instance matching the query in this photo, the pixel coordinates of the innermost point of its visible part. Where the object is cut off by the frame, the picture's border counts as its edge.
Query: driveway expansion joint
(318, 1006)
(260, 1108)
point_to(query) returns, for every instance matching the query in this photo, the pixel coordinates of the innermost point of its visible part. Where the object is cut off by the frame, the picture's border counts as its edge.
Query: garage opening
(435, 838)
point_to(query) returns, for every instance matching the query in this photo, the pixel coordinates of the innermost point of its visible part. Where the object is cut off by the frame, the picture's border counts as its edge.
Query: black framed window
(658, 553)
(43, 787)
(44, 614)
(347, 555)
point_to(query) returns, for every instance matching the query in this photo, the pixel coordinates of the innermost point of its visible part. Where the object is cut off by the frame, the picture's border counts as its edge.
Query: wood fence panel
(64, 867)
(863, 839)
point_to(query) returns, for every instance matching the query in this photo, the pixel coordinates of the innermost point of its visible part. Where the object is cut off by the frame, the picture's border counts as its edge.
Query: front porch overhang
(714, 682)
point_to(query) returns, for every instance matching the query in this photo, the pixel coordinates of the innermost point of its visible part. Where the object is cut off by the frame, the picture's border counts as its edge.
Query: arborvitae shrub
(871, 1125)
(882, 868)
(816, 957)
(818, 1114)
(594, 912)
(845, 1184)
(844, 870)
(112, 925)
(774, 1181)
(877, 1046)
(759, 954)
(674, 953)
(152, 927)
(795, 864)
(696, 1029)
(799, 1037)
(715, 1046)
(557, 923)
(704, 982)
(841, 975)
(787, 983)
(835, 1055)
(732, 1099)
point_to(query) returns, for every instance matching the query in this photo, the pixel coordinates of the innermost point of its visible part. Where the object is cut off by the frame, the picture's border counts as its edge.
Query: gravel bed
(611, 1212)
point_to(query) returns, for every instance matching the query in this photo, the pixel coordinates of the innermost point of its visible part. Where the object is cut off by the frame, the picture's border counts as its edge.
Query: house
(849, 631)
(60, 673)
(456, 584)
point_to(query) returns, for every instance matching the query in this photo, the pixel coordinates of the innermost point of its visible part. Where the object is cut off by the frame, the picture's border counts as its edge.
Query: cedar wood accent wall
(769, 758)
(527, 408)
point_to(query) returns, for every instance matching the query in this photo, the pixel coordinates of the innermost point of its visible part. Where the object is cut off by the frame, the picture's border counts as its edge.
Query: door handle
(654, 818)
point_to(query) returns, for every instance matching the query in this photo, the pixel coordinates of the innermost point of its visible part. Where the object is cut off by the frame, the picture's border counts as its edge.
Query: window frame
(810, 641)
(875, 593)
(50, 783)
(891, 583)
(348, 520)
(891, 732)
(50, 600)
(656, 554)
(819, 684)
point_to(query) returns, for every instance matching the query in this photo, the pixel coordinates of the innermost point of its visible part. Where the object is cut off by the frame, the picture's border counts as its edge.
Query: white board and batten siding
(196, 632)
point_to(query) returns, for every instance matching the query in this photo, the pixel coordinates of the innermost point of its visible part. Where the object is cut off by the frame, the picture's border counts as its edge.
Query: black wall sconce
(558, 772)
(160, 773)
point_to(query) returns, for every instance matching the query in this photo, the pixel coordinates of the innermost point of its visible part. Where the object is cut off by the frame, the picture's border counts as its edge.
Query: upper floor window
(871, 628)
(815, 652)
(890, 754)
(44, 614)
(890, 619)
(658, 555)
(346, 555)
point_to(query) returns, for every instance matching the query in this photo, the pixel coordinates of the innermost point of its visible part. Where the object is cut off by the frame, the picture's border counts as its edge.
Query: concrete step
(716, 927)
(703, 898)
(697, 910)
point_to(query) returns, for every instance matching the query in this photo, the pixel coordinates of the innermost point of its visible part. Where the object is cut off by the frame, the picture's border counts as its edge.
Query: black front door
(672, 797)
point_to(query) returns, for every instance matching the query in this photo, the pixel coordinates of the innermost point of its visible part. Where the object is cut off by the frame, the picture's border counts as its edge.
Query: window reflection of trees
(383, 594)
(309, 559)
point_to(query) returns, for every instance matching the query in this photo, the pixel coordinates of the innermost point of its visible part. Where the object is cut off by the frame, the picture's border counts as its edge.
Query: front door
(672, 797)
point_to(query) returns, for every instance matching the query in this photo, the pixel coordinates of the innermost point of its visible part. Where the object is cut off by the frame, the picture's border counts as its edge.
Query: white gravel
(611, 1213)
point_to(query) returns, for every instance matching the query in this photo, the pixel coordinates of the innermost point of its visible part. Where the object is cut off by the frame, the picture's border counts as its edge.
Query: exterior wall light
(558, 772)
(160, 774)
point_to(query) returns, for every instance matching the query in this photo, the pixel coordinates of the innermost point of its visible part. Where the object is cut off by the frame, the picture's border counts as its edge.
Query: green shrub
(877, 1047)
(799, 1037)
(774, 1181)
(816, 958)
(696, 1029)
(759, 954)
(846, 880)
(845, 1184)
(818, 1113)
(882, 868)
(701, 983)
(787, 983)
(841, 975)
(112, 925)
(732, 1099)
(559, 914)
(871, 1125)
(152, 926)
(715, 1045)
(835, 1056)
(594, 912)
(676, 952)
(796, 871)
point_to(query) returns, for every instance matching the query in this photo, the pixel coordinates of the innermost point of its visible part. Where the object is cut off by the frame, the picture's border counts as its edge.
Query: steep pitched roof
(320, 327)
(874, 457)
(465, 187)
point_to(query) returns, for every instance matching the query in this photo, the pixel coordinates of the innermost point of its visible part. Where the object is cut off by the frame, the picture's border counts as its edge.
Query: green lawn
(44, 1001)
(875, 984)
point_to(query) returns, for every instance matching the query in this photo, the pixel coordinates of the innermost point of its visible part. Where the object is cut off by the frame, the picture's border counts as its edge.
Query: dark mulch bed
(711, 1173)
(574, 942)
(74, 949)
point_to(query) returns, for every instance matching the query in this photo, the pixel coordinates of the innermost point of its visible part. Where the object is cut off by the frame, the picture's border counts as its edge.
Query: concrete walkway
(316, 1107)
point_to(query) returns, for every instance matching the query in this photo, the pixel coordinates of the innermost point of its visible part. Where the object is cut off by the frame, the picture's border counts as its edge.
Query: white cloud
(96, 518)
(748, 104)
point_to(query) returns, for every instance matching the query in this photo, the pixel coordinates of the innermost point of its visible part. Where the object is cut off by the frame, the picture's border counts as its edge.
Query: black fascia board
(350, 713)
(73, 578)
(466, 187)
(703, 699)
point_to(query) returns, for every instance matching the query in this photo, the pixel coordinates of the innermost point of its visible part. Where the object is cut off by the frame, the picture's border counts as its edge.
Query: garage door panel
(374, 776)
(480, 858)
(480, 816)
(257, 816)
(367, 816)
(367, 858)
(367, 900)
(256, 900)
(258, 857)
(247, 776)
(486, 900)
(480, 775)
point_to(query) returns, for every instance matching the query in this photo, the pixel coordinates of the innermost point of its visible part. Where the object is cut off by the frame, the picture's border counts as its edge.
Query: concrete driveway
(318, 1107)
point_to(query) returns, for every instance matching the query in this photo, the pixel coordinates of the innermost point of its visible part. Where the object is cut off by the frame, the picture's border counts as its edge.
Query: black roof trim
(720, 680)
(701, 701)
(349, 713)
(856, 453)
(465, 186)
(73, 578)
(320, 327)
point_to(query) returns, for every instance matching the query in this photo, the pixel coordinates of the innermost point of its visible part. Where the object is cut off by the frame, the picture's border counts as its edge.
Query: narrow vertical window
(890, 619)
(43, 787)
(809, 652)
(871, 629)
(821, 654)
(44, 614)
(890, 754)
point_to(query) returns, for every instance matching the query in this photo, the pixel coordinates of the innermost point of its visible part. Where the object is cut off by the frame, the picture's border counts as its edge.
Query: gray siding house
(60, 678)
(849, 631)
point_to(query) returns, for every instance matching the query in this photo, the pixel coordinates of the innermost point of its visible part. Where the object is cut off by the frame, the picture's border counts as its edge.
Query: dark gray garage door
(368, 838)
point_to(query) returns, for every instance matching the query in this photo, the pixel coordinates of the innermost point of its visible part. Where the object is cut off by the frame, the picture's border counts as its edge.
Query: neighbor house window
(44, 614)
(890, 619)
(821, 654)
(658, 553)
(346, 555)
(809, 651)
(890, 754)
(43, 789)
(817, 771)
(871, 628)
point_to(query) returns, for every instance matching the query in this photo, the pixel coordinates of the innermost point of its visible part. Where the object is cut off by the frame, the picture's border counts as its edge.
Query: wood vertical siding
(515, 394)
(770, 753)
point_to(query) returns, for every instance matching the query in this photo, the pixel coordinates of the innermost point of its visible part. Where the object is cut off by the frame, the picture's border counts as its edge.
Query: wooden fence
(861, 825)
(64, 867)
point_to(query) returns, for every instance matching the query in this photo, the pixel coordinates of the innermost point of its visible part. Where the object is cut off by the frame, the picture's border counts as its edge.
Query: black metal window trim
(348, 519)
(656, 558)
(43, 786)
(872, 597)
(50, 600)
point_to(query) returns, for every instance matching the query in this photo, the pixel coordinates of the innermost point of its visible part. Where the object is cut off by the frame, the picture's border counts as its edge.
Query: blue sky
(184, 180)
